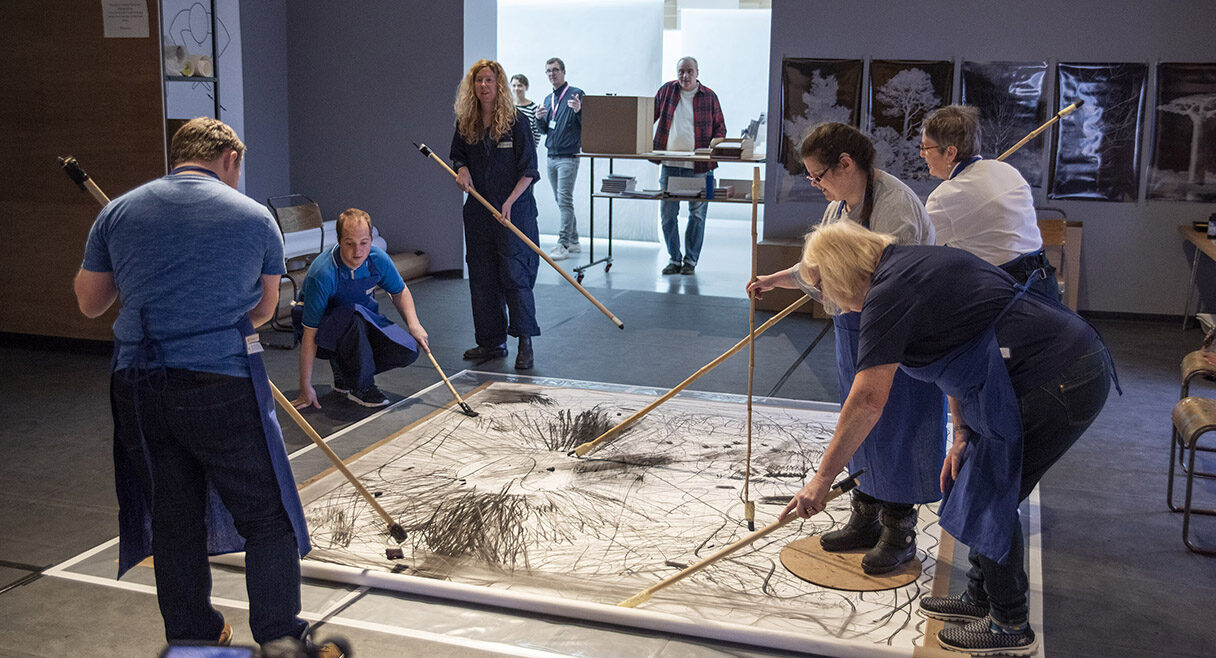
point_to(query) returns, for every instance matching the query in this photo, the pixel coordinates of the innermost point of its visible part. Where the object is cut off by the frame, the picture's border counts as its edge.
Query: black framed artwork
(1009, 97)
(902, 92)
(1097, 154)
(1184, 140)
(813, 91)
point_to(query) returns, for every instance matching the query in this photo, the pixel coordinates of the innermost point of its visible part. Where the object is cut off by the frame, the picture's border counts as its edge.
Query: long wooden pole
(591, 445)
(468, 411)
(73, 170)
(528, 241)
(1035, 133)
(838, 489)
(749, 505)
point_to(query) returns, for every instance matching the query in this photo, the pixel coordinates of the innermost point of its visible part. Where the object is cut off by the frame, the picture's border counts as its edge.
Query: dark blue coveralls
(502, 269)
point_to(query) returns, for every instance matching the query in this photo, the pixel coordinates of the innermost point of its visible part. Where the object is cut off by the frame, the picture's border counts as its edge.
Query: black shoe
(478, 353)
(951, 608)
(861, 531)
(688, 269)
(671, 268)
(368, 397)
(523, 356)
(983, 637)
(897, 544)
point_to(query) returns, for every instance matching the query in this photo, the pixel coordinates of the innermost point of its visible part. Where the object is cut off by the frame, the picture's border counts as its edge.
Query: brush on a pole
(1035, 133)
(427, 152)
(838, 489)
(464, 406)
(749, 505)
(73, 170)
(621, 426)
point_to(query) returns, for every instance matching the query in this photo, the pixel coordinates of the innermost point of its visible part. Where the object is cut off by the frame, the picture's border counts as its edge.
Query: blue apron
(355, 296)
(902, 456)
(981, 508)
(133, 478)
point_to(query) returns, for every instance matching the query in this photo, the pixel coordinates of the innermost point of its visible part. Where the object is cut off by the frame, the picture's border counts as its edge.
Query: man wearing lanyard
(688, 116)
(200, 465)
(560, 118)
(339, 318)
(983, 206)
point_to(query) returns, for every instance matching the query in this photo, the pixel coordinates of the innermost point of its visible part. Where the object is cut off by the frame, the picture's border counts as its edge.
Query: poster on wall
(902, 92)
(813, 91)
(1184, 142)
(1097, 153)
(1009, 97)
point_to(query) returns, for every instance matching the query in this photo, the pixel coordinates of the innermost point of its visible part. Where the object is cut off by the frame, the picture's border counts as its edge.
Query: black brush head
(424, 149)
(468, 411)
(397, 532)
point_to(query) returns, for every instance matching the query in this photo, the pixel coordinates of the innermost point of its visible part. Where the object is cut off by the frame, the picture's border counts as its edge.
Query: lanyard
(201, 170)
(566, 88)
(963, 165)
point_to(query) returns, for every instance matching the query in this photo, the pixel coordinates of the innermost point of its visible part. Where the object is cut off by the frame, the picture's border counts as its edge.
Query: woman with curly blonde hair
(494, 154)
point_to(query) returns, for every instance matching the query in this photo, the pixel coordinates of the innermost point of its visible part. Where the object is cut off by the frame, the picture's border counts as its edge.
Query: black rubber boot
(523, 356)
(898, 541)
(862, 529)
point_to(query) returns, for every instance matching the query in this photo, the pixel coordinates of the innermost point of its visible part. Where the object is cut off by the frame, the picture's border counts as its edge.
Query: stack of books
(617, 184)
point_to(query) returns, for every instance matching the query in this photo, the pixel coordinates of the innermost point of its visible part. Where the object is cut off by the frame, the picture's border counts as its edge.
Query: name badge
(1004, 352)
(370, 290)
(506, 145)
(552, 124)
(252, 344)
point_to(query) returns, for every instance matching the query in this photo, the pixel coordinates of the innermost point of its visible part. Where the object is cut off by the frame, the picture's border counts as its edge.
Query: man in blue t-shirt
(341, 321)
(199, 461)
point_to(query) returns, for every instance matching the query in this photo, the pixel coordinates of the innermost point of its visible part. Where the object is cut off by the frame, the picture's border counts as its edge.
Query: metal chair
(296, 213)
(1193, 417)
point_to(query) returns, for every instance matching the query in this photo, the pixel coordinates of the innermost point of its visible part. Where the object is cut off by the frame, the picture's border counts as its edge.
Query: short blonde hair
(353, 215)
(203, 140)
(845, 254)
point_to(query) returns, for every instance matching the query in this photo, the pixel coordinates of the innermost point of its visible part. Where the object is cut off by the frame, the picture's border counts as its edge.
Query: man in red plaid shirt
(688, 116)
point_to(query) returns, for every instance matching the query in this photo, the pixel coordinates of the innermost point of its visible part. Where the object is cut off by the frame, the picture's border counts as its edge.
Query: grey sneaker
(983, 637)
(951, 608)
(368, 397)
(574, 248)
(560, 252)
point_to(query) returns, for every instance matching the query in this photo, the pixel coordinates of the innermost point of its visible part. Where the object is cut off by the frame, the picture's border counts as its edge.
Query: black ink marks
(508, 395)
(572, 429)
(483, 525)
(625, 463)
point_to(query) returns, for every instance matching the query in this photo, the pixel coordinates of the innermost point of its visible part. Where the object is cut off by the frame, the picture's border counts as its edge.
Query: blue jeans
(563, 171)
(204, 428)
(1054, 415)
(668, 212)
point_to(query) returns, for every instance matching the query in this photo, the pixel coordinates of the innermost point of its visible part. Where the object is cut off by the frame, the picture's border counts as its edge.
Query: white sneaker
(574, 248)
(560, 252)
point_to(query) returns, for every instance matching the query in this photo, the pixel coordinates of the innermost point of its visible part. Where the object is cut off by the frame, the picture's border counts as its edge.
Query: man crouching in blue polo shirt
(341, 319)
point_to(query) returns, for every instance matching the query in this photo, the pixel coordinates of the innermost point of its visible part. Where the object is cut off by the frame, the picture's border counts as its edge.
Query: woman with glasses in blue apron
(902, 456)
(1025, 377)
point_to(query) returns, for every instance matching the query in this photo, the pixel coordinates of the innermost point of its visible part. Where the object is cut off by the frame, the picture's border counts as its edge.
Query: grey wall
(264, 65)
(1133, 260)
(362, 84)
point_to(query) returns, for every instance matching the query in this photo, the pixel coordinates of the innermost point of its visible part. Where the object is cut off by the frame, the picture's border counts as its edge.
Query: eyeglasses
(925, 147)
(815, 178)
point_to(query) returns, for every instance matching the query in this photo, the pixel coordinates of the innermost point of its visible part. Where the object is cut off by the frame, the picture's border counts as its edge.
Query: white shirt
(987, 209)
(897, 211)
(680, 136)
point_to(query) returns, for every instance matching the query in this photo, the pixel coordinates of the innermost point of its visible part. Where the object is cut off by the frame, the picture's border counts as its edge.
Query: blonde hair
(468, 108)
(845, 254)
(353, 215)
(202, 140)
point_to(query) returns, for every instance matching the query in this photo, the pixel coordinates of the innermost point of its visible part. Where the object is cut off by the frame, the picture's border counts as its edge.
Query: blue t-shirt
(189, 252)
(321, 282)
(926, 301)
